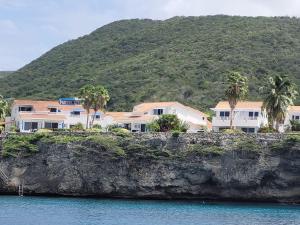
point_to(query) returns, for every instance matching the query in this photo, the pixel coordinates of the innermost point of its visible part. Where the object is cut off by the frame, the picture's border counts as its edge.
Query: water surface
(81, 211)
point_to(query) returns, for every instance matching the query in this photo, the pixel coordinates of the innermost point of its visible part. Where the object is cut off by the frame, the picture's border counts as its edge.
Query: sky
(29, 28)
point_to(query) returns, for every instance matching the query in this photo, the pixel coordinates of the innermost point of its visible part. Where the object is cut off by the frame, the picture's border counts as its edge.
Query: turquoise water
(80, 211)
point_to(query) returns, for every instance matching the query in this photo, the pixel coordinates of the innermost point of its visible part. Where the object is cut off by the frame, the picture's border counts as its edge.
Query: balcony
(237, 122)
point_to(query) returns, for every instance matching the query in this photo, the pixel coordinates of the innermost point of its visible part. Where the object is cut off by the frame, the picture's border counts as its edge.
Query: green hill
(5, 73)
(183, 59)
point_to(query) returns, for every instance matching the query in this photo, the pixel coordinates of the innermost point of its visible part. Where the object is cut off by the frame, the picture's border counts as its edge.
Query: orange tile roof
(294, 108)
(43, 106)
(240, 105)
(41, 116)
(127, 117)
(145, 107)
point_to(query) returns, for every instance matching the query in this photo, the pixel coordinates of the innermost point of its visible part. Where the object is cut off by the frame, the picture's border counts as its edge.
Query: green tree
(279, 94)
(100, 97)
(166, 123)
(237, 90)
(86, 93)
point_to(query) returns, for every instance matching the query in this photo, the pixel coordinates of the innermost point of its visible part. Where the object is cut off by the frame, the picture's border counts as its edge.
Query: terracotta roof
(145, 107)
(240, 105)
(41, 116)
(127, 117)
(43, 106)
(294, 108)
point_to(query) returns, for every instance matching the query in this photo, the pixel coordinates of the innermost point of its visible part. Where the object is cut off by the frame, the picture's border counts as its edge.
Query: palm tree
(279, 94)
(237, 89)
(100, 99)
(86, 95)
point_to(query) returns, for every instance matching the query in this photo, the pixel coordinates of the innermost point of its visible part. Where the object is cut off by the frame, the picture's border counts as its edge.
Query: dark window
(127, 126)
(143, 127)
(256, 114)
(224, 114)
(75, 113)
(97, 116)
(25, 108)
(30, 126)
(158, 111)
(251, 130)
(297, 117)
(53, 110)
(51, 125)
(244, 130)
(250, 114)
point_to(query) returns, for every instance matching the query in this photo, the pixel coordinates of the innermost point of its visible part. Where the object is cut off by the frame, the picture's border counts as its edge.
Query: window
(51, 125)
(248, 129)
(97, 117)
(30, 126)
(253, 114)
(158, 111)
(75, 113)
(53, 109)
(25, 108)
(224, 114)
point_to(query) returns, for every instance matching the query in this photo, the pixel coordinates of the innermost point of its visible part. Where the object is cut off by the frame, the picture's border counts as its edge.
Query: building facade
(31, 115)
(247, 116)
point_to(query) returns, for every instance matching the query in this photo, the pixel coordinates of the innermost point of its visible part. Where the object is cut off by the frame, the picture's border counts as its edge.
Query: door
(143, 127)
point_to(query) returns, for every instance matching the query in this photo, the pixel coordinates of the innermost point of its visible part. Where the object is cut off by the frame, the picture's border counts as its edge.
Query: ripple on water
(80, 211)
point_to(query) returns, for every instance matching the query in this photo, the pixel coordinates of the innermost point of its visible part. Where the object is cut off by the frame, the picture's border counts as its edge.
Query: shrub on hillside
(77, 127)
(295, 125)
(167, 123)
(232, 131)
(266, 130)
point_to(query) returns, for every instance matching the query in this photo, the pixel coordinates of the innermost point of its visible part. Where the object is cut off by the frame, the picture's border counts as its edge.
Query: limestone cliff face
(198, 166)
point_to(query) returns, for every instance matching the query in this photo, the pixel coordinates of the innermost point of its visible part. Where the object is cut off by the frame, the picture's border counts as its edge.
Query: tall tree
(86, 94)
(100, 99)
(237, 89)
(279, 94)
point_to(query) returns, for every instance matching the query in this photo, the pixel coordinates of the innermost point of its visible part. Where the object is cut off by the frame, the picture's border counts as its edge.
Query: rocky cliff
(162, 166)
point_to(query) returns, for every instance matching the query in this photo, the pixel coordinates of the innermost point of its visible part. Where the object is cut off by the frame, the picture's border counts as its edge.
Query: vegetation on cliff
(138, 60)
(145, 146)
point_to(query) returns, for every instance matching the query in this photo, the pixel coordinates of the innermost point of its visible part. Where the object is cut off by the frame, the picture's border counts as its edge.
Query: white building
(196, 119)
(293, 113)
(31, 115)
(247, 116)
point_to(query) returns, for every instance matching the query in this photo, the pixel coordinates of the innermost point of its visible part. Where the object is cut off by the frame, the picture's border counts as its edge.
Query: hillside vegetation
(183, 59)
(5, 73)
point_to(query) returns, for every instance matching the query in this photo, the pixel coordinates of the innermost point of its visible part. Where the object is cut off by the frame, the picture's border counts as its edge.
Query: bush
(266, 130)
(13, 128)
(44, 131)
(97, 126)
(16, 144)
(113, 126)
(295, 125)
(77, 127)
(232, 131)
(176, 133)
(153, 126)
(166, 123)
(122, 132)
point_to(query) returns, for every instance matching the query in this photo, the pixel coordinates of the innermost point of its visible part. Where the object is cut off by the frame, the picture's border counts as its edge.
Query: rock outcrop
(191, 166)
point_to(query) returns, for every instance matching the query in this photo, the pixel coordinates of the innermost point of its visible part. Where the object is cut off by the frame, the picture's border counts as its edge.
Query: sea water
(82, 211)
